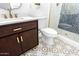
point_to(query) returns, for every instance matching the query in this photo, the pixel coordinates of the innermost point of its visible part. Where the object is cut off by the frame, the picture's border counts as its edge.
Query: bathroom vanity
(18, 37)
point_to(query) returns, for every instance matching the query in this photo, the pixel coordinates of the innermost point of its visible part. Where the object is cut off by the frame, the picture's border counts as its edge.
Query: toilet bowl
(49, 34)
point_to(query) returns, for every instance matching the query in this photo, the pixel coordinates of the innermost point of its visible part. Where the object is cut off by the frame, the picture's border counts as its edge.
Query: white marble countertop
(18, 20)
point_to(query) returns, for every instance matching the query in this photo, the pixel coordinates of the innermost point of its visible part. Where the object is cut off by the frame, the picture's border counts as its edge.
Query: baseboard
(69, 41)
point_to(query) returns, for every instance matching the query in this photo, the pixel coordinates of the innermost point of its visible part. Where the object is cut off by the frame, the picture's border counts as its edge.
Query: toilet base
(49, 41)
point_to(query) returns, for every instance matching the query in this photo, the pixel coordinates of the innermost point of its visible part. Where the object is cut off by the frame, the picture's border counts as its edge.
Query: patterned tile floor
(58, 49)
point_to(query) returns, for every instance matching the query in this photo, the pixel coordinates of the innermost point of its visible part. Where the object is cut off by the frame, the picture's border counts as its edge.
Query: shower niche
(69, 17)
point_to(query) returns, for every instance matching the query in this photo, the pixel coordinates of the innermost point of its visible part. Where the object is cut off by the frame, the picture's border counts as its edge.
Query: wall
(29, 9)
(54, 21)
(70, 8)
(35, 11)
(55, 15)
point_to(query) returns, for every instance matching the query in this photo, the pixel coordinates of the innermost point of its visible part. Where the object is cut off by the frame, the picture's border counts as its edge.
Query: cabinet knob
(21, 39)
(18, 40)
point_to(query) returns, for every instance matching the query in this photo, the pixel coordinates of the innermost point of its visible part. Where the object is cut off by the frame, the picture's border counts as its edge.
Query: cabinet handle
(18, 40)
(17, 29)
(21, 39)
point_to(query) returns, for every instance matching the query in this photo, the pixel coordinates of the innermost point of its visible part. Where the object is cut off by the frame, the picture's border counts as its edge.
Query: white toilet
(48, 34)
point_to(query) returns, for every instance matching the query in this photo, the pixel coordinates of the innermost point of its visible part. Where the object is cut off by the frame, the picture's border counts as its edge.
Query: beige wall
(54, 20)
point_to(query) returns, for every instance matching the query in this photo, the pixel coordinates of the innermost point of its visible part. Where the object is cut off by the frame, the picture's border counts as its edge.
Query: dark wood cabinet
(10, 45)
(18, 38)
(29, 39)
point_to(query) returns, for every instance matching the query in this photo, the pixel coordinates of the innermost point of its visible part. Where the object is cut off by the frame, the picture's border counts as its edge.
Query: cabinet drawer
(16, 28)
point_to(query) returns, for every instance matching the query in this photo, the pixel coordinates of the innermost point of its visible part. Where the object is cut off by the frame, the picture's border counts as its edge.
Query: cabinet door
(29, 39)
(10, 46)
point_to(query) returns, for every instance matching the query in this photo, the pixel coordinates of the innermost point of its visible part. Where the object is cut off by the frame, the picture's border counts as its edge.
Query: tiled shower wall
(55, 18)
(69, 18)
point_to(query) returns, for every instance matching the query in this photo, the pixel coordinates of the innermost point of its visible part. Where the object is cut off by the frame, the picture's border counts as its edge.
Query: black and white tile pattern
(58, 49)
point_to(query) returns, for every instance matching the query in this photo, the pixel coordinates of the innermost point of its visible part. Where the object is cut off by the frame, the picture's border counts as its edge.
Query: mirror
(5, 6)
(10, 6)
